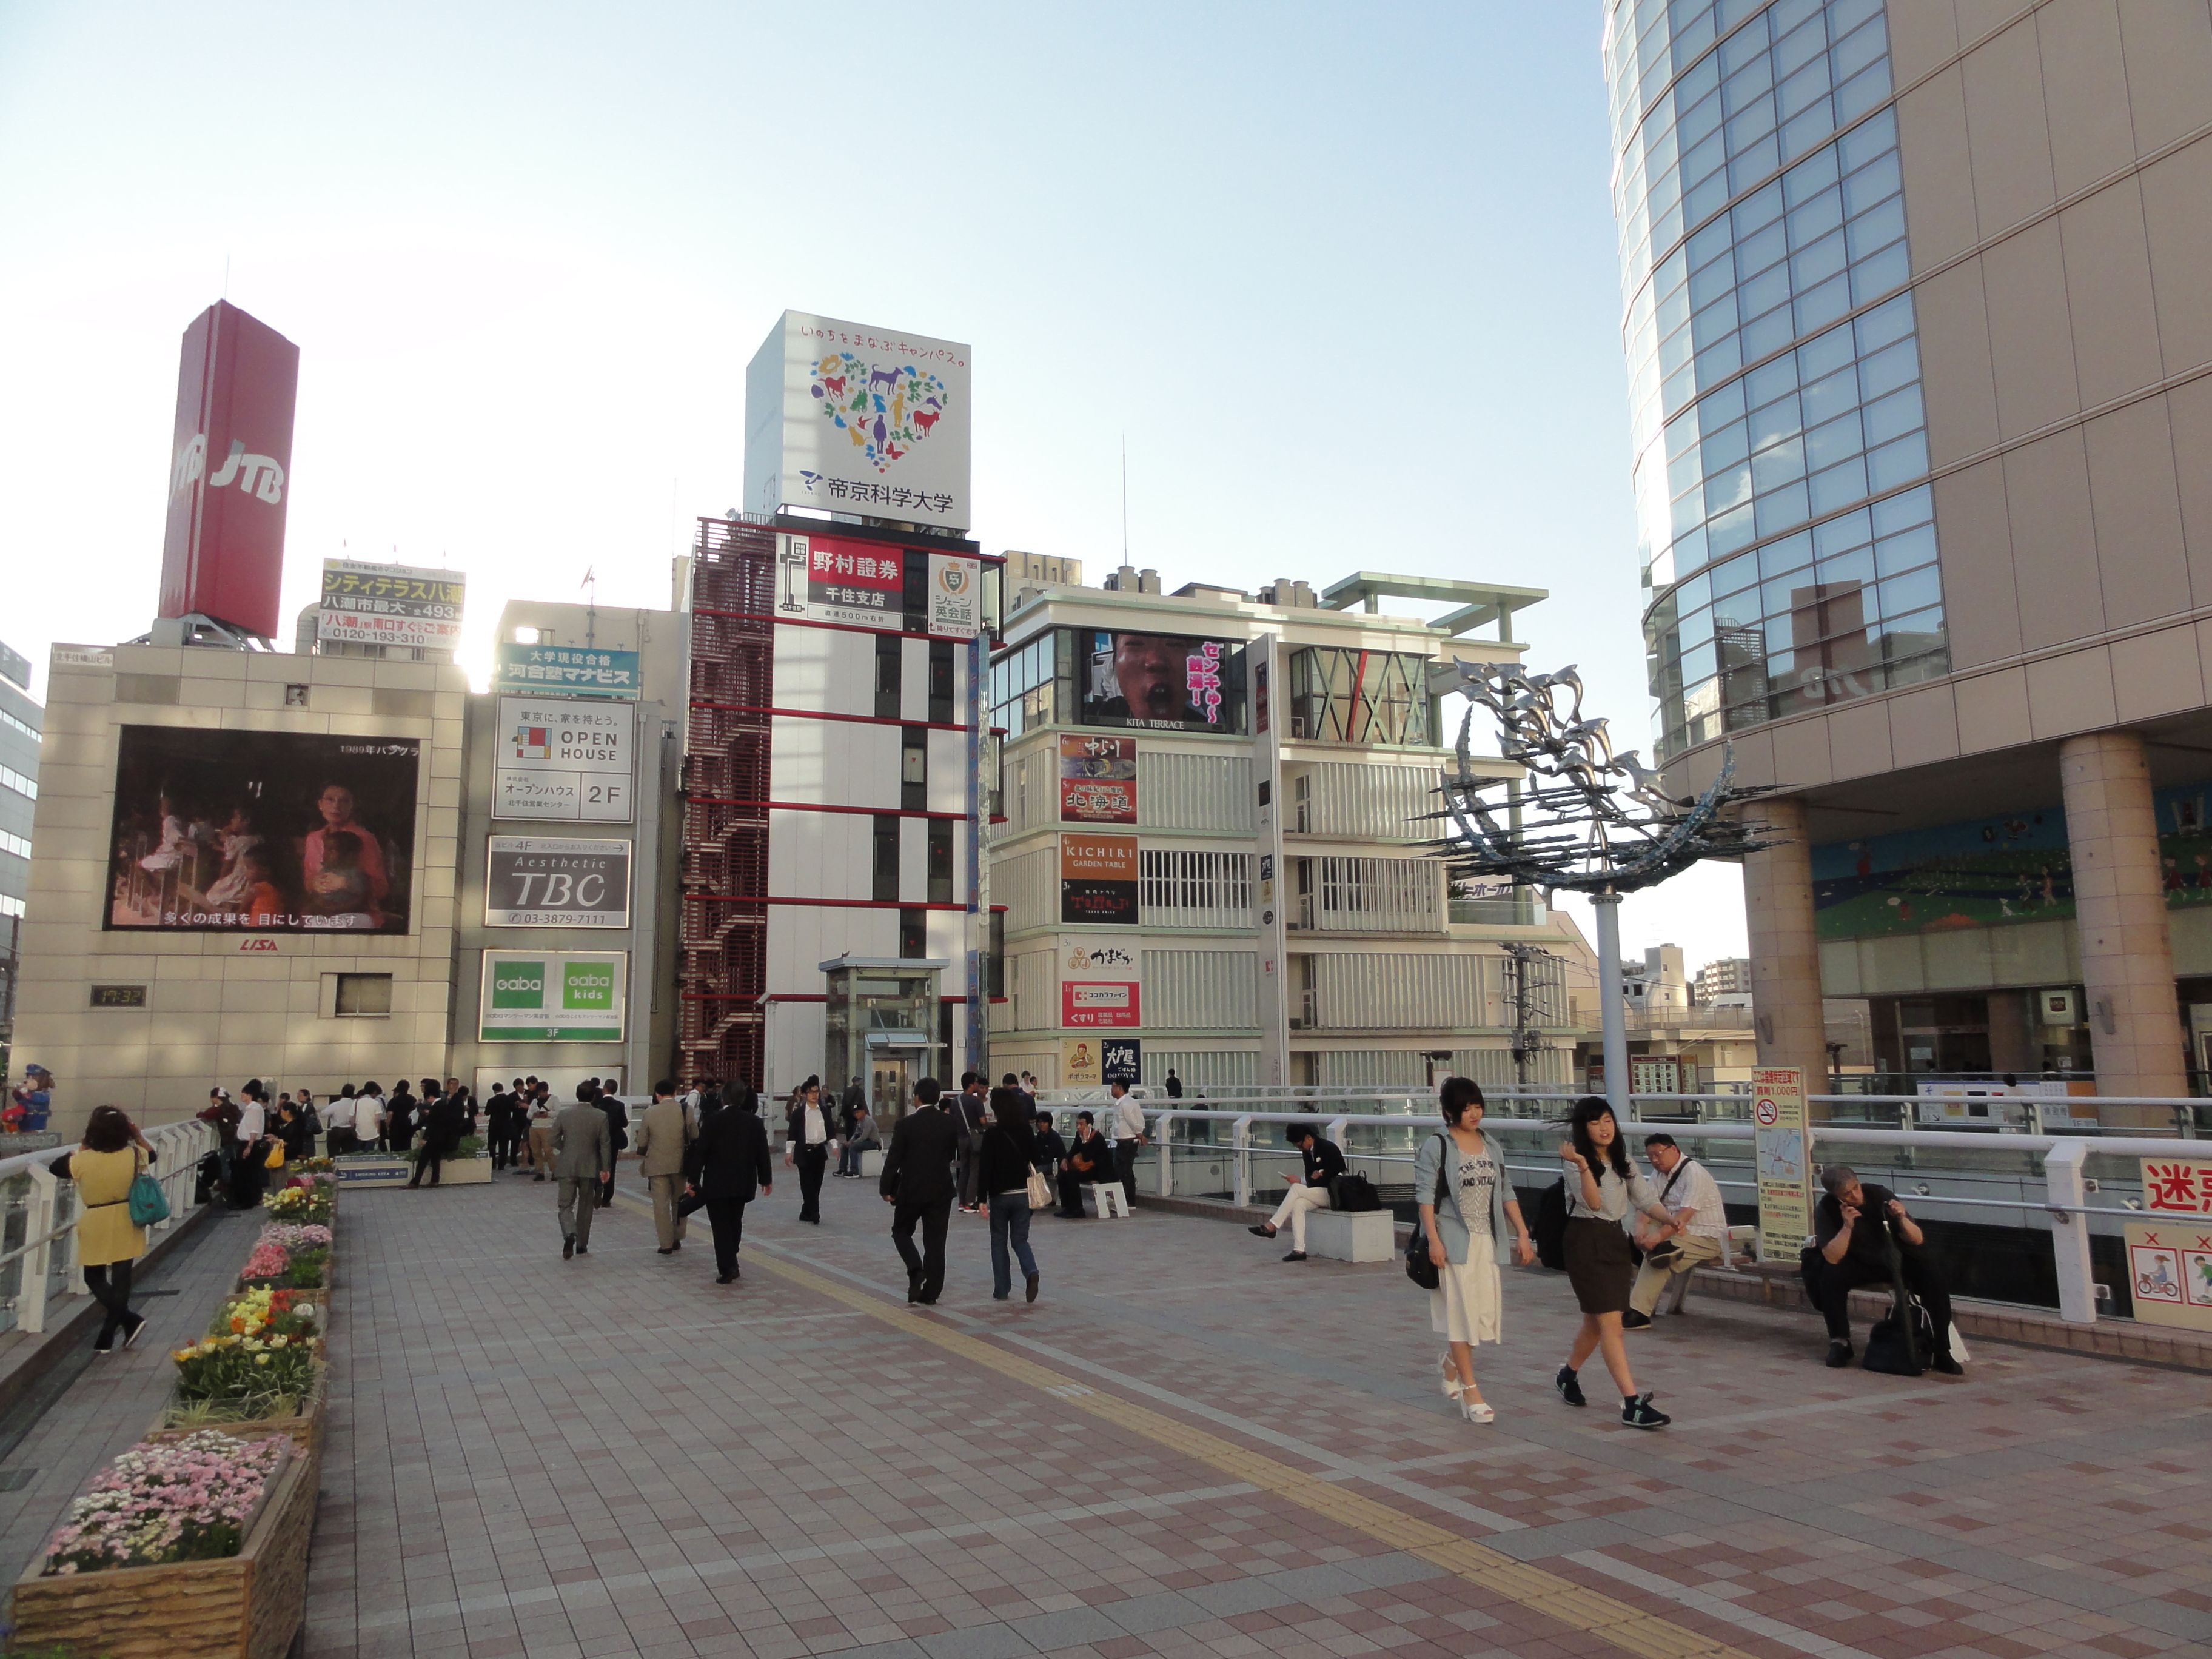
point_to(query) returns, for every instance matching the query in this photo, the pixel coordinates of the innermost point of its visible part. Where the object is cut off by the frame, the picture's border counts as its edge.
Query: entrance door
(889, 1086)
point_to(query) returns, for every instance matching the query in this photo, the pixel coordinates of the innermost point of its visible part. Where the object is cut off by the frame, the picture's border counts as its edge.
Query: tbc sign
(536, 881)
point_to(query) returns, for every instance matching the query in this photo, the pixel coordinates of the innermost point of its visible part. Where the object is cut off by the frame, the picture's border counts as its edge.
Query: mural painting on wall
(1992, 872)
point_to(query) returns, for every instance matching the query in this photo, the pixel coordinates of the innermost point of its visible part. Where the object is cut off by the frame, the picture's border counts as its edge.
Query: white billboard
(849, 418)
(956, 597)
(565, 760)
(390, 604)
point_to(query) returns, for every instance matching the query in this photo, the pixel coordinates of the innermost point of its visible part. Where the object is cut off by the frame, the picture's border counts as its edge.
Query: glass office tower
(1784, 520)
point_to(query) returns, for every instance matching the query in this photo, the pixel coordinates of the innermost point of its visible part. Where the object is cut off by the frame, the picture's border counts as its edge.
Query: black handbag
(1353, 1194)
(1419, 1268)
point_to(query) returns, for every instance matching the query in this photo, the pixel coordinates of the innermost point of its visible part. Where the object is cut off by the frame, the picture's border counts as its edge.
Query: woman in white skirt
(1467, 1206)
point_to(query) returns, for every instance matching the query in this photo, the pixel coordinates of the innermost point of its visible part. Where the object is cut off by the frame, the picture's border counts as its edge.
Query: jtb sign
(229, 472)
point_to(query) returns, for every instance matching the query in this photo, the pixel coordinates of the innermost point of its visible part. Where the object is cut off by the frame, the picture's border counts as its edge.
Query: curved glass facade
(1783, 513)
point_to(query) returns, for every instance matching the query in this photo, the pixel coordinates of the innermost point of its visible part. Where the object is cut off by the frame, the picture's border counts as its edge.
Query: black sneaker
(1295, 1255)
(1840, 1355)
(137, 1324)
(1637, 1412)
(1570, 1389)
(1633, 1321)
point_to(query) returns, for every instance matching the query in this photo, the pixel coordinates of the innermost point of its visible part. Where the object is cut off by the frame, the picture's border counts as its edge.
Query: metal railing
(1199, 1150)
(40, 1213)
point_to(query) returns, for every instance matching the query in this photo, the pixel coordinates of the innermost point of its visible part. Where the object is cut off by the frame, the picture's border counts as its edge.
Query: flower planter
(248, 1606)
(304, 1427)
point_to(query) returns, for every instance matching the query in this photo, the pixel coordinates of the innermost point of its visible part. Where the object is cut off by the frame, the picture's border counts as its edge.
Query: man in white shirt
(1686, 1188)
(338, 1122)
(368, 1118)
(808, 1137)
(252, 1119)
(1128, 1140)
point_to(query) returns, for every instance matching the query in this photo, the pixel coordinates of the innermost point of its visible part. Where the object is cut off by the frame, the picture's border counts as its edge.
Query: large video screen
(1162, 682)
(284, 832)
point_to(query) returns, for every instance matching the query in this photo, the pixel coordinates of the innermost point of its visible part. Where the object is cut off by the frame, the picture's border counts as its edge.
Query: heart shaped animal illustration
(885, 411)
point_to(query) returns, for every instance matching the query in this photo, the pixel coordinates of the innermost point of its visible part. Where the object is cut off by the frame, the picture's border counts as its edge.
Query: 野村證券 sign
(574, 671)
(565, 759)
(553, 996)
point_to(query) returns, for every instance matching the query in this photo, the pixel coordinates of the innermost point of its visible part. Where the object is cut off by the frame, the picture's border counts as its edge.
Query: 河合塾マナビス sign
(390, 604)
(573, 671)
(554, 996)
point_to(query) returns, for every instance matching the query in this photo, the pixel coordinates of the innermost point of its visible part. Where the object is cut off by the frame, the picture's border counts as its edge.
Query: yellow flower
(261, 1359)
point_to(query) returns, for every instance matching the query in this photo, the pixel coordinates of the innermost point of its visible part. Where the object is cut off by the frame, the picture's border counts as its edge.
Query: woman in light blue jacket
(1466, 1205)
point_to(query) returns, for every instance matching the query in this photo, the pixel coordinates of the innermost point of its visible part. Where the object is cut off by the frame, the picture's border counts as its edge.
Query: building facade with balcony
(1921, 358)
(1214, 853)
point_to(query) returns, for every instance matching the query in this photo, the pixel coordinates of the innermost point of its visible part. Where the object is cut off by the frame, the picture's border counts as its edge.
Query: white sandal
(1450, 1377)
(1477, 1411)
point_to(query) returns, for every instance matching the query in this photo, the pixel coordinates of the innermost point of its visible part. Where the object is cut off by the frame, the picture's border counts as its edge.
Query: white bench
(871, 1164)
(1741, 1239)
(1352, 1235)
(1104, 1200)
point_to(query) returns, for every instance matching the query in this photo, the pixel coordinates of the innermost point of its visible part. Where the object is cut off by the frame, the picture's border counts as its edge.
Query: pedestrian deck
(1185, 1447)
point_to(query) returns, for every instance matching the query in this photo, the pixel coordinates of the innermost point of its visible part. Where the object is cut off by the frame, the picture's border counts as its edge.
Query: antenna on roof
(1125, 498)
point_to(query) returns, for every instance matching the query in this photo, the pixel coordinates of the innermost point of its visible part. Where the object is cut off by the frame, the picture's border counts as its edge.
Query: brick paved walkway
(1185, 1447)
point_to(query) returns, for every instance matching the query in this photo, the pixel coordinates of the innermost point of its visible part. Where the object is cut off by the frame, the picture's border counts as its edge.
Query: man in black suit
(918, 1182)
(442, 1132)
(1088, 1160)
(731, 1163)
(617, 1129)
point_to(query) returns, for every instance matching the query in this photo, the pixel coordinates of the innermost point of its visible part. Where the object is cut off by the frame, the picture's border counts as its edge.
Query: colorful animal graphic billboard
(850, 418)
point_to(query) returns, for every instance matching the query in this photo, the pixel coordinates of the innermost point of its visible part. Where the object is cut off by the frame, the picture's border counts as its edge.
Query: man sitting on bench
(1324, 1162)
(1848, 1225)
(1090, 1161)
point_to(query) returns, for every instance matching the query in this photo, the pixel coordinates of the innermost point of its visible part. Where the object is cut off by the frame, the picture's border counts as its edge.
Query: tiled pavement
(1184, 1447)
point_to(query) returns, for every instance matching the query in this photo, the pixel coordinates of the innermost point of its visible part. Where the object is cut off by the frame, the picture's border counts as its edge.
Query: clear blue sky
(1344, 276)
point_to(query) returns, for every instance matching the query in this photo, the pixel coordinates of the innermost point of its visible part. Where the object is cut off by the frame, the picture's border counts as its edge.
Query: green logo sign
(520, 985)
(589, 985)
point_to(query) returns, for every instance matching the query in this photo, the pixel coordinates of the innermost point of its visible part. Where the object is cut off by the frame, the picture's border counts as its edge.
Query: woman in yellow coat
(108, 1242)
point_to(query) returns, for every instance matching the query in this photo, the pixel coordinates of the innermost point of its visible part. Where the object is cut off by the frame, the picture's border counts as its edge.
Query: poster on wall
(1078, 1064)
(553, 996)
(574, 670)
(390, 604)
(288, 832)
(564, 759)
(1097, 778)
(538, 881)
(849, 417)
(1098, 880)
(1782, 1150)
(1162, 682)
(1121, 1060)
(956, 597)
(835, 579)
(1098, 983)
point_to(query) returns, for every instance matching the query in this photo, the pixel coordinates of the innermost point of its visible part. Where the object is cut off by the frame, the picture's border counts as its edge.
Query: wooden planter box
(247, 1606)
(304, 1428)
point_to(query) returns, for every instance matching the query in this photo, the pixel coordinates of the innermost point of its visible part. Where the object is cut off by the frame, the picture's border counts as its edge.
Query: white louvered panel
(1027, 886)
(1399, 991)
(1372, 803)
(1178, 887)
(1198, 1070)
(1371, 896)
(1201, 990)
(1193, 792)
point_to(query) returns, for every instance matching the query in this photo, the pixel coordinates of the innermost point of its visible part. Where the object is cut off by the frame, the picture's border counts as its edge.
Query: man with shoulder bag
(1697, 1235)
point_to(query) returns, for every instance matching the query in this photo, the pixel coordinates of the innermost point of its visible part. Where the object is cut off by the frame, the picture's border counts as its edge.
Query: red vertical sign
(230, 471)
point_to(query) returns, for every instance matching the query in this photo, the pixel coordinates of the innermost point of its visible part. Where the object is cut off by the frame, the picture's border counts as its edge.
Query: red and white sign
(2176, 1186)
(230, 476)
(1098, 983)
(1097, 778)
(1089, 1005)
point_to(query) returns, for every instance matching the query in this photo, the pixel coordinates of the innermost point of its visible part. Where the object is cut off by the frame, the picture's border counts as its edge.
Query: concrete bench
(1742, 1242)
(1104, 1200)
(1352, 1236)
(871, 1165)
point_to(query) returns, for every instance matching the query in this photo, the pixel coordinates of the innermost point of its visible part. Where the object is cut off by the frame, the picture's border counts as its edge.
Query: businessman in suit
(583, 1157)
(731, 1160)
(664, 1136)
(918, 1182)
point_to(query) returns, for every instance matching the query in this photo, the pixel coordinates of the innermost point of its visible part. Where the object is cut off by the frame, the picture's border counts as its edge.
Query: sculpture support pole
(1613, 1009)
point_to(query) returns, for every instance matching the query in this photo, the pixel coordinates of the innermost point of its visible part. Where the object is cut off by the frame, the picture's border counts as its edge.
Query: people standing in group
(1602, 1188)
(368, 1118)
(583, 1155)
(1688, 1191)
(442, 1123)
(664, 1140)
(1129, 1139)
(918, 1181)
(399, 1119)
(1323, 1162)
(467, 1101)
(112, 1156)
(732, 1164)
(250, 1171)
(1466, 1208)
(1089, 1160)
(808, 1135)
(970, 1112)
(305, 1100)
(499, 1126)
(221, 1113)
(338, 1123)
(541, 1130)
(618, 1116)
(1003, 1179)
(293, 1133)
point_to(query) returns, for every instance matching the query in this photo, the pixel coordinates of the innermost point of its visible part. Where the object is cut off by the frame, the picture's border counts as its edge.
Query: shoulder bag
(1419, 1268)
(148, 1204)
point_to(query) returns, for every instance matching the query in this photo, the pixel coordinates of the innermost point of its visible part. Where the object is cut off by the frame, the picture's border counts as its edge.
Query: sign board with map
(849, 418)
(1784, 1158)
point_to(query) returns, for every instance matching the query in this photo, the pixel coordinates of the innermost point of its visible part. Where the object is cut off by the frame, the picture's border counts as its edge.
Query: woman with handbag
(110, 1238)
(1467, 1204)
(1602, 1187)
(1009, 1183)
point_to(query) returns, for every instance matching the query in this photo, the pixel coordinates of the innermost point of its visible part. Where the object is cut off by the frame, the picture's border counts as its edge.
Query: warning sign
(2169, 1256)
(1784, 1156)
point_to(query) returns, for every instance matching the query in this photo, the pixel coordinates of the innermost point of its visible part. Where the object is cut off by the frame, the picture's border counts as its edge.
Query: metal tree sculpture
(1602, 824)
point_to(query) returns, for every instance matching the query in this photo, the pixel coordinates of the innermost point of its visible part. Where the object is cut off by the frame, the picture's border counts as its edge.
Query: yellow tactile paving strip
(1574, 1606)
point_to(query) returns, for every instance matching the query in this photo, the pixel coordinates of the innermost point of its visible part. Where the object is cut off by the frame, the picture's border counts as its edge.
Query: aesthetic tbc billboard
(1097, 778)
(262, 831)
(390, 604)
(537, 881)
(1098, 880)
(854, 419)
(565, 759)
(229, 471)
(1161, 681)
(553, 996)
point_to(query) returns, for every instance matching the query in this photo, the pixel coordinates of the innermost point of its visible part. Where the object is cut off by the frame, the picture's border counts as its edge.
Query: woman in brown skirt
(1602, 1187)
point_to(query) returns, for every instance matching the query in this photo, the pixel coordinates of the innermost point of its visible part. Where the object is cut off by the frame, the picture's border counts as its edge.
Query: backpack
(1551, 1229)
(1888, 1349)
(1353, 1193)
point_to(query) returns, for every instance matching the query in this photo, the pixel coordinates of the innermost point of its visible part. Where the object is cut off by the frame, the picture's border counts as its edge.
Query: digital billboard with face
(1165, 682)
(288, 832)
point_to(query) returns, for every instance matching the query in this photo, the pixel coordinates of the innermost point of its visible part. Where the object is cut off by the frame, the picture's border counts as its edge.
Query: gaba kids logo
(885, 411)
